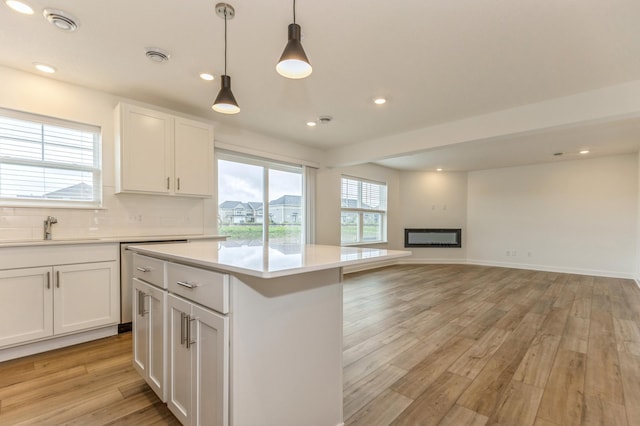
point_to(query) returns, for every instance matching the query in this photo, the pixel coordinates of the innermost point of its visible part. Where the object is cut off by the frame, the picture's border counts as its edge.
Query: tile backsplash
(122, 215)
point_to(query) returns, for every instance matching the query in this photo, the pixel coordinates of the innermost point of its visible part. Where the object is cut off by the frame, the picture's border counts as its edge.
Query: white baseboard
(559, 269)
(531, 267)
(414, 261)
(56, 343)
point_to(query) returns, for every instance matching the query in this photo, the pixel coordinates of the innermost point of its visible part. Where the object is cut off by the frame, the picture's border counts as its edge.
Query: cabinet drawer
(208, 288)
(150, 270)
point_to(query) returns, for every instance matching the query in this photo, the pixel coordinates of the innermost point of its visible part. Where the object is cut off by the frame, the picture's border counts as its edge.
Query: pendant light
(293, 62)
(225, 102)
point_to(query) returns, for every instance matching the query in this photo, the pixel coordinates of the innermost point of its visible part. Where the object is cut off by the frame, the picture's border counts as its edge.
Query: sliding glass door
(260, 200)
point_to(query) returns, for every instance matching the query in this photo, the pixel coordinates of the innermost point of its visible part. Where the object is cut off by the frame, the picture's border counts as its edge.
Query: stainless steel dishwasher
(126, 272)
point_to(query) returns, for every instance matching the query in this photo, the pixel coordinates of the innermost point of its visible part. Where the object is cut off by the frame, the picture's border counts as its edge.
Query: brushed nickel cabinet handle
(142, 269)
(183, 337)
(189, 342)
(186, 284)
(178, 184)
(57, 279)
(168, 182)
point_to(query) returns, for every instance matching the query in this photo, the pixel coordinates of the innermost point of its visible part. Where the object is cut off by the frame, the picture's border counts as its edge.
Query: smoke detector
(61, 20)
(156, 54)
(325, 119)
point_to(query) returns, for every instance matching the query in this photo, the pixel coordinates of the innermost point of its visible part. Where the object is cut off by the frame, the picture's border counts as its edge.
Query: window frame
(95, 170)
(362, 211)
(268, 164)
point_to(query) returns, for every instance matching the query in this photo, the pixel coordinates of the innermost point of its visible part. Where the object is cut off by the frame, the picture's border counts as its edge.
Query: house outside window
(245, 185)
(363, 211)
(48, 162)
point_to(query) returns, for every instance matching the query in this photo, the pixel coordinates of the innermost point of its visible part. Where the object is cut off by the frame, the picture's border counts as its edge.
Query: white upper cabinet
(158, 153)
(193, 157)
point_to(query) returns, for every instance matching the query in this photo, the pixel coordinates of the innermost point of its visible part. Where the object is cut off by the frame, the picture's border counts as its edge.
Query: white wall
(638, 228)
(434, 200)
(123, 214)
(573, 216)
(328, 202)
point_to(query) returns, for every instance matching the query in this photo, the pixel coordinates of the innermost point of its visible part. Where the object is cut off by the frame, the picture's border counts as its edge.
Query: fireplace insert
(432, 237)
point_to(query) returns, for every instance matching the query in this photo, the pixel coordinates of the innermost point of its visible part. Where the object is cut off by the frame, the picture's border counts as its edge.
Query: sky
(244, 182)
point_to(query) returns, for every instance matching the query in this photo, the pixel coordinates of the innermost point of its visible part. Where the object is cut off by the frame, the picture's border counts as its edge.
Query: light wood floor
(470, 345)
(423, 345)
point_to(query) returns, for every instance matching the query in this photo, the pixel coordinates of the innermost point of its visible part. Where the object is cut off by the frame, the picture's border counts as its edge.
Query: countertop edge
(106, 240)
(391, 254)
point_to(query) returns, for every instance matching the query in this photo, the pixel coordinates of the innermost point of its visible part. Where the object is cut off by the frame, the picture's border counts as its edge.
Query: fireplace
(433, 237)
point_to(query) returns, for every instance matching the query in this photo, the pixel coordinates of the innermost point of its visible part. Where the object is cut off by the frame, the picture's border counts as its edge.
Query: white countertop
(266, 261)
(99, 240)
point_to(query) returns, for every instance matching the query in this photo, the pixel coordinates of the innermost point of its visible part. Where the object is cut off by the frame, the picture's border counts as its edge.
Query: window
(364, 211)
(45, 161)
(250, 189)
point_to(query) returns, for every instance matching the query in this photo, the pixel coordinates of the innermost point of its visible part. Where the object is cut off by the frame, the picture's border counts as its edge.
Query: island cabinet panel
(287, 349)
(198, 364)
(149, 329)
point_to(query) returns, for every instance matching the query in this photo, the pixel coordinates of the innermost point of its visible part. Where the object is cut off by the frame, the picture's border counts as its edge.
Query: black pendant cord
(225, 40)
(294, 11)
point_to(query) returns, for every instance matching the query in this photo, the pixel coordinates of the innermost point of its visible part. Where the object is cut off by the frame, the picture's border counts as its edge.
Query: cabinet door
(156, 302)
(179, 382)
(25, 305)
(210, 357)
(146, 145)
(85, 296)
(140, 328)
(193, 158)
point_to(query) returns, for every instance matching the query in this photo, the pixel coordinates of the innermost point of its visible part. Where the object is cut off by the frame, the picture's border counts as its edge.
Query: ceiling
(436, 61)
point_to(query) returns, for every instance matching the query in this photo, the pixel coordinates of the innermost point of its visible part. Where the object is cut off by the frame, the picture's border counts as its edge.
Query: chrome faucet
(47, 226)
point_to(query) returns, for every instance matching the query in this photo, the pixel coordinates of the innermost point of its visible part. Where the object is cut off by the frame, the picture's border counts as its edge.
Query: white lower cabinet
(85, 296)
(149, 325)
(198, 352)
(26, 305)
(42, 302)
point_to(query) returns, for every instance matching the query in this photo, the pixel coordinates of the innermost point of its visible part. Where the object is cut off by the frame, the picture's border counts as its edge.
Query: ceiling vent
(61, 20)
(157, 55)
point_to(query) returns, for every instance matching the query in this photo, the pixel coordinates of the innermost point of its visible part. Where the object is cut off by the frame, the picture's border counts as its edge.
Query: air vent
(157, 55)
(61, 20)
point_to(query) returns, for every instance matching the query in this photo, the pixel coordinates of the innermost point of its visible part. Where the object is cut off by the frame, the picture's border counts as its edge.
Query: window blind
(48, 160)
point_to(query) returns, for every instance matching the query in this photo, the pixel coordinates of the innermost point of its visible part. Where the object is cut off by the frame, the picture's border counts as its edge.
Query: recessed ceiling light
(584, 151)
(44, 68)
(439, 169)
(61, 19)
(206, 76)
(311, 123)
(379, 101)
(19, 7)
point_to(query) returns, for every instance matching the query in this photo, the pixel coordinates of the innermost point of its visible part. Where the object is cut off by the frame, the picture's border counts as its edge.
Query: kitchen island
(273, 355)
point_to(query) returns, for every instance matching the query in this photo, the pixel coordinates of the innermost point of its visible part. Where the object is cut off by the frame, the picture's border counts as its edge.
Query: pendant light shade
(294, 62)
(225, 102)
